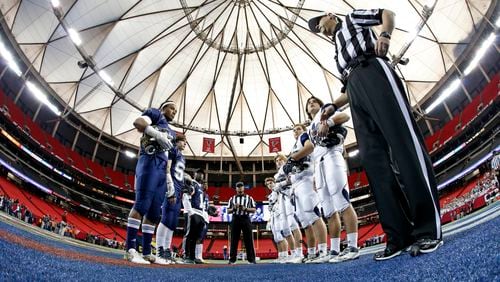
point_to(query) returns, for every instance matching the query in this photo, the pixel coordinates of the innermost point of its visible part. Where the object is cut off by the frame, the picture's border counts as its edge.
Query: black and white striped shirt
(354, 37)
(244, 200)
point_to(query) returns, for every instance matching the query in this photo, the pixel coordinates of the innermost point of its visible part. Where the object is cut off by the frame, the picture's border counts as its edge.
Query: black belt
(356, 62)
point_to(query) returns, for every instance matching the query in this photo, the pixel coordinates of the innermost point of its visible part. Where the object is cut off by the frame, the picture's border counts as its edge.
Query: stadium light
(75, 37)
(129, 154)
(55, 3)
(480, 53)
(105, 76)
(10, 60)
(40, 96)
(447, 92)
(353, 153)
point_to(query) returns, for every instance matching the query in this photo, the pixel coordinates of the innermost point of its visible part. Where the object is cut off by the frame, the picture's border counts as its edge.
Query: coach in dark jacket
(241, 206)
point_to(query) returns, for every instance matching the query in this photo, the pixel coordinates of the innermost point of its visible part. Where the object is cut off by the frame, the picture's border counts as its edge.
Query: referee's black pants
(393, 154)
(241, 223)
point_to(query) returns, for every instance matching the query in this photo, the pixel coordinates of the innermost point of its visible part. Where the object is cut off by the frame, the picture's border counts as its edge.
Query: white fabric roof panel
(205, 54)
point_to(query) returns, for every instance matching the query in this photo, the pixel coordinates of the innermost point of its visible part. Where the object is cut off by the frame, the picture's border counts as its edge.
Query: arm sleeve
(230, 204)
(186, 203)
(303, 138)
(325, 106)
(366, 17)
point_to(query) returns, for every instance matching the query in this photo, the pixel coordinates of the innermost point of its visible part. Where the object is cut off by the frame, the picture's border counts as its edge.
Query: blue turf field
(469, 255)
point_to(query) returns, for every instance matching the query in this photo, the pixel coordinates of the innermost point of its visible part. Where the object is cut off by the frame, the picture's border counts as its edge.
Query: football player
(291, 228)
(299, 167)
(172, 204)
(192, 201)
(150, 179)
(275, 222)
(331, 178)
(200, 178)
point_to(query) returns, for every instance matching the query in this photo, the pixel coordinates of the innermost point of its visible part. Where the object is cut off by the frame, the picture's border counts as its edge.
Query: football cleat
(294, 259)
(321, 258)
(348, 253)
(156, 260)
(134, 257)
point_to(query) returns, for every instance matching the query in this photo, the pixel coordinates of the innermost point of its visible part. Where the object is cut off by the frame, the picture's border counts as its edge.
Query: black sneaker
(388, 253)
(168, 254)
(169, 257)
(187, 261)
(198, 261)
(333, 253)
(231, 262)
(428, 245)
(161, 252)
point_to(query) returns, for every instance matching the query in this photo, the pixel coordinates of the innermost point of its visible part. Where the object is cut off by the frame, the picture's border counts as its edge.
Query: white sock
(311, 251)
(335, 244)
(198, 251)
(322, 248)
(168, 238)
(352, 239)
(298, 252)
(161, 233)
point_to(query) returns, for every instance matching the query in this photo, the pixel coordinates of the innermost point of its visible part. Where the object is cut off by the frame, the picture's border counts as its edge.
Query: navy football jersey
(197, 197)
(177, 168)
(158, 121)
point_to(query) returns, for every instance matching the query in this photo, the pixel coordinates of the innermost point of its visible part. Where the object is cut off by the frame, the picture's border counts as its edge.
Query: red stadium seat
(16, 114)
(96, 170)
(117, 178)
(225, 193)
(450, 130)
(258, 193)
(432, 142)
(490, 92)
(363, 179)
(76, 160)
(353, 180)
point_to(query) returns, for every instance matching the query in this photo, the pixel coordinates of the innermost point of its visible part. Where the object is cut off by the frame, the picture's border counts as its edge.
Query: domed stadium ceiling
(234, 67)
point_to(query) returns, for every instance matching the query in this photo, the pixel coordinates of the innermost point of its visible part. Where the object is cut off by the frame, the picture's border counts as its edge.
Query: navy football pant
(150, 186)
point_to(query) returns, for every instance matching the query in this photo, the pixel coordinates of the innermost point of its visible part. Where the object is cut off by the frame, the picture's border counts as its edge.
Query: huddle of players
(311, 184)
(161, 188)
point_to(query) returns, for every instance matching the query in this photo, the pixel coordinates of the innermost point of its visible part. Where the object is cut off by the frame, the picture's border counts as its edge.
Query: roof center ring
(241, 26)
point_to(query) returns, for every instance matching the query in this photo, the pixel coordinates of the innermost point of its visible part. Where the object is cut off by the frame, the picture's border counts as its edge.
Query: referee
(241, 206)
(390, 144)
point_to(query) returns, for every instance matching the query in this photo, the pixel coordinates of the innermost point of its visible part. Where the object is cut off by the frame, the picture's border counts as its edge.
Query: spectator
(224, 252)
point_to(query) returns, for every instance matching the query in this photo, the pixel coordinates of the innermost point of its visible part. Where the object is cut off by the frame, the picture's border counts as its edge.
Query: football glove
(290, 164)
(212, 211)
(162, 138)
(170, 187)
